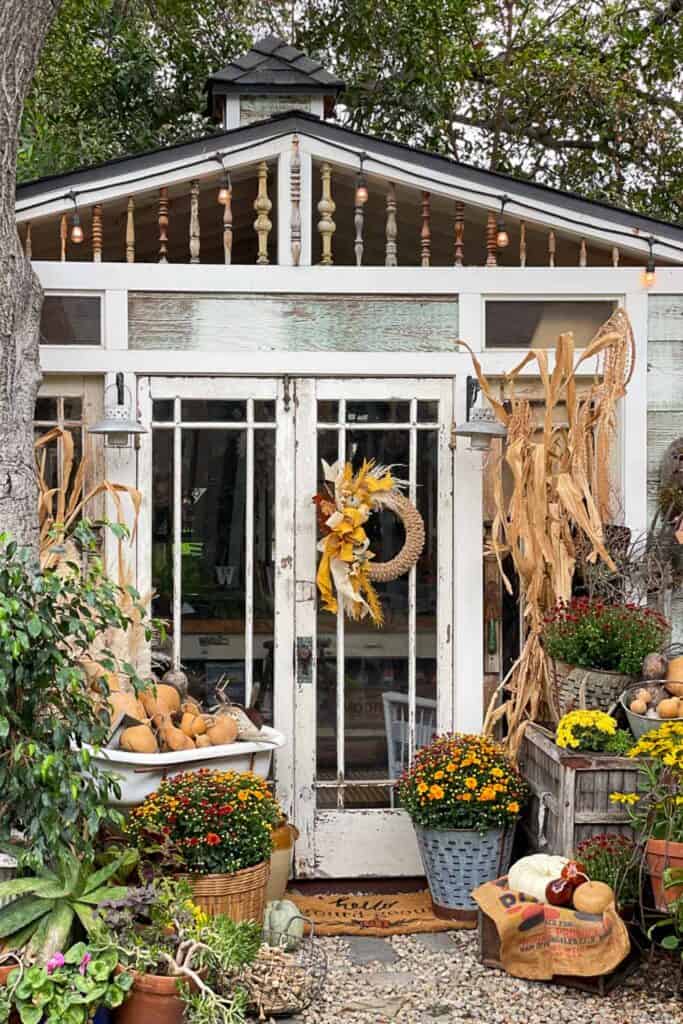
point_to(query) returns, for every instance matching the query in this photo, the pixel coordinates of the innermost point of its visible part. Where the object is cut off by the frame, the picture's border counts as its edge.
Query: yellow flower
(435, 792)
(422, 787)
(438, 775)
(465, 796)
(471, 783)
(450, 767)
(624, 798)
(487, 793)
(243, 795)
(497, 773)
(513, 807)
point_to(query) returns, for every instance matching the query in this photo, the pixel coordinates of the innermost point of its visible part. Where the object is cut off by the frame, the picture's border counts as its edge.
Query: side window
(71, 320)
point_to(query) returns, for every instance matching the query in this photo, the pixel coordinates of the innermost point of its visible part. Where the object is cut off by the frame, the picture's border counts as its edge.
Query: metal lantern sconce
(361, 196)
(118, 425)
(481, 425)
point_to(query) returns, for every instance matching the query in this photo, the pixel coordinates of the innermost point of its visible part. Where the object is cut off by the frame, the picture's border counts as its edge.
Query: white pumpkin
(530, 875)
(283, 925)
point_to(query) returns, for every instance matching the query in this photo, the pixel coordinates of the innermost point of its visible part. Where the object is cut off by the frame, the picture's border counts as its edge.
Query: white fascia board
(123, 183)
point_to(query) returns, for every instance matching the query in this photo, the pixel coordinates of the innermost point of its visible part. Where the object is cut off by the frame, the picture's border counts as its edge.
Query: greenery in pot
(668, 931)
(592, 731)
(462, 782)
(70, 987)
(594, 635)
(50, 790)
(45, 908)
(612, 859)
(215, 822)
(157, 929)
(656, 810)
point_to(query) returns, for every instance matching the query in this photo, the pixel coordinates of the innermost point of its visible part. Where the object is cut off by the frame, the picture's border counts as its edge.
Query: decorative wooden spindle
(459, 245)
(391, 245)
(194, 222)
(491, 244)
(358, 222)
(262, 207)
(130, 231)
(97, 233)
(552, 248)
(583, 253)
(522, 243)
(615, 256)
(295, 195)
(28, 245)
(63, 229)
(162, 220)
(425, 232)
(326, 208)
(227, 228)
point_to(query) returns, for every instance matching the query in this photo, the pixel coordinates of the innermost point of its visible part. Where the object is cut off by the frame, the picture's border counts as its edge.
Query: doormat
(402, 913)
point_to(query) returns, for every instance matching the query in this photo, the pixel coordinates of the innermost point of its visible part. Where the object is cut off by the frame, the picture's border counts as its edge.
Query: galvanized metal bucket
(456, 861)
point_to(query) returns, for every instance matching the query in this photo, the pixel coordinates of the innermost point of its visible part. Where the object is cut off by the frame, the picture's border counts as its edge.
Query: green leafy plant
(50, 790)
(70, 987)
(672, 925)
(41, 918)
(216, 822)
(462, 781)
(592, 634)
(612, 859)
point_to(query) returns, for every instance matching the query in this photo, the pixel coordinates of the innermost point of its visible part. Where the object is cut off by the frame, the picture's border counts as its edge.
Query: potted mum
(598, 648)
(464, 796)
(218, 827)
(656, 810)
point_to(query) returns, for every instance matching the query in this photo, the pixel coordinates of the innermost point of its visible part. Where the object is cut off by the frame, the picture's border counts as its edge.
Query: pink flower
(54, 962)
(83, 966)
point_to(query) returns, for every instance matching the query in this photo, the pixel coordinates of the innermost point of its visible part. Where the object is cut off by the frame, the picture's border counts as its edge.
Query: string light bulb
(502, 237)
(76, 234)
(225, 191)
(650, 269)
(361, 184)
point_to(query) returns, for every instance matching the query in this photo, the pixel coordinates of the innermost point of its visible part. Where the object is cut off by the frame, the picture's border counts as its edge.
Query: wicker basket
(587, 687)
(240, 896)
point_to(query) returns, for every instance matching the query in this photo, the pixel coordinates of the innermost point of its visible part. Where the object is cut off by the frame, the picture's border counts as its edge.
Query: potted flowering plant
(613, 859)
(656, 810)
(218, 826)
(595, 731)
(599, 648)
(463, 794)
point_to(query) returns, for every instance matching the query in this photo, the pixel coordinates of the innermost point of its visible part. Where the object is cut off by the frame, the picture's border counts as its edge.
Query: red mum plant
(208, 822)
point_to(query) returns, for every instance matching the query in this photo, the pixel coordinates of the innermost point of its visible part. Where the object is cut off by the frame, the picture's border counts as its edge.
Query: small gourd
(222, 730)
(644, 695)
(166, 701)
(283, 925)
(138, 739)
(668, 708)
(593, 898)
(638, 707)
(202, 741)
(172, 738)
(531, 874)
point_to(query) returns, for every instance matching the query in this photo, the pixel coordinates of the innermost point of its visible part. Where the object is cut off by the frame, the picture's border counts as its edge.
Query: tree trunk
(23, 27)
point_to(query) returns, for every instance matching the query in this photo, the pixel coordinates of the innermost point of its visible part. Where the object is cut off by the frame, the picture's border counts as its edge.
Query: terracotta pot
(661, 854)
(5, 972)
(284, 838)
(151, 1000)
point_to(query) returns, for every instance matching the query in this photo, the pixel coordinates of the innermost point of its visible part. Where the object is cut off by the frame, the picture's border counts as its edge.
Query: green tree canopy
(587, 97)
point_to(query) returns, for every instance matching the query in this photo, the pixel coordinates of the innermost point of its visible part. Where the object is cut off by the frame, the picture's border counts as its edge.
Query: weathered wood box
(570, 793)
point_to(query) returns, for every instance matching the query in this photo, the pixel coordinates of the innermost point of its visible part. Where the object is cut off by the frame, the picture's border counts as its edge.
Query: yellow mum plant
(592, 730)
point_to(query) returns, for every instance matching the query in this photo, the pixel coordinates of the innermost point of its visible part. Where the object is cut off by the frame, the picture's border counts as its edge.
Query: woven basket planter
(587, 687)
(456, 861)
(240, 896)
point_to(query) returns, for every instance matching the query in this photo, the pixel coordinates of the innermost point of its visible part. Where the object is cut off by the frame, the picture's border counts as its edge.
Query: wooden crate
(570, 793)
(599, 985)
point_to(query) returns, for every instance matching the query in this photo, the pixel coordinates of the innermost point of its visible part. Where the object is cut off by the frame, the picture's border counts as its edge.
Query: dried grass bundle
(560, 491)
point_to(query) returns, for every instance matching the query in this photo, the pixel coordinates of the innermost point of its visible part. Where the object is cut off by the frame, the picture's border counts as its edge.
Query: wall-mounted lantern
(481, 425)
(118, 424)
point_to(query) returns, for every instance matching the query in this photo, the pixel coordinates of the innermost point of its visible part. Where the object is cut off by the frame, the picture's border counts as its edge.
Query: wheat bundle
(560, 491)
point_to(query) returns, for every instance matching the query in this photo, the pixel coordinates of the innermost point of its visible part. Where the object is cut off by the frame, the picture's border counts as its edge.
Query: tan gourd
(638, 707)
(187, 723)
(668, 708)
(593, 898)
(644, 695)
(138, 739)
(165, 701)
(191, 705)
(674, 671)
(199, 725)
(173, 738)
(203, 741)
(124, 703)
(222, 730)
(676, 689)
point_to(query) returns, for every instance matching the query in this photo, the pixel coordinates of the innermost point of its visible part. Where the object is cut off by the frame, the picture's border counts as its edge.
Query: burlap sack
(538, 941)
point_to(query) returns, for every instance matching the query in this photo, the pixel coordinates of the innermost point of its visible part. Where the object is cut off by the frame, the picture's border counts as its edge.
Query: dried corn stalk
(560, 491)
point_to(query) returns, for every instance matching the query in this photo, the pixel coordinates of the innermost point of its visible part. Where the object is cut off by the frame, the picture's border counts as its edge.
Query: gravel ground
(433, 978)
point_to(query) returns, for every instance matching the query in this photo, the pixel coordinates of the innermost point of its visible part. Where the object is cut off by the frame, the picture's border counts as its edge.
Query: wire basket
(288, 973)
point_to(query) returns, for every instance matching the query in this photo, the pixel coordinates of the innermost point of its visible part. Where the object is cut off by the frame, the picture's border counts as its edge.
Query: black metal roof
(275, 66)
(520, 191)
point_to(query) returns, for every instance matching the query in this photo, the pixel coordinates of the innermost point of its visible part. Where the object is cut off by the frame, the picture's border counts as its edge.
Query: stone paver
(366, 950)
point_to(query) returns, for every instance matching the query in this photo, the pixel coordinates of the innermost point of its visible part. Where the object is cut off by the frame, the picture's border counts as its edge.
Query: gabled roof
(522, 195)
(273, 65)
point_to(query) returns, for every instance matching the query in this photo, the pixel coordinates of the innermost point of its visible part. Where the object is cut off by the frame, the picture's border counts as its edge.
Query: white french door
(228, 540)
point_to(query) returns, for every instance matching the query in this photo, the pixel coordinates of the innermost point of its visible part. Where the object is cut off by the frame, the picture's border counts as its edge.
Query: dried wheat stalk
(561, 490)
